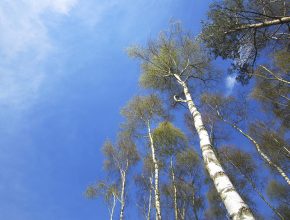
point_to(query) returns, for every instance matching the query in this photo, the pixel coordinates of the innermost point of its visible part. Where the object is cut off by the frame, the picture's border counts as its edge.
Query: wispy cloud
(24, 44)
(23, 27)
(230, 84)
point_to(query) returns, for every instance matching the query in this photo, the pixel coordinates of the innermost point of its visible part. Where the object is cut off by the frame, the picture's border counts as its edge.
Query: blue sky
(64, 75)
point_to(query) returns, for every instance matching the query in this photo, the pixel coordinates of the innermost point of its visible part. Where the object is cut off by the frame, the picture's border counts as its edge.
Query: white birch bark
(256, 189)
(263, 155)
(283, 20)
(150, 198)
(156, 174)
(122, 199)
(183, 212)
(276, 77)
(174, 191)
(113, 208)
(236, 207)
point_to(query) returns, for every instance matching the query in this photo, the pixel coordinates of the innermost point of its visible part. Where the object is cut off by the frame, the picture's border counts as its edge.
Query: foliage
(169, 139)
(238, 30)
(175, 52)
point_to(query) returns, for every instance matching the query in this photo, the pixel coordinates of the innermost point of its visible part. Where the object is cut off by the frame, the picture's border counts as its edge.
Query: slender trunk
(123, 177)
(274, 75)
(156, 174)
(183, 212)
(256, 189)
(194, 207)
(233, 202)
(113, 208)
(174, 191)
(263, 155)
(150, 198)
(283, 20)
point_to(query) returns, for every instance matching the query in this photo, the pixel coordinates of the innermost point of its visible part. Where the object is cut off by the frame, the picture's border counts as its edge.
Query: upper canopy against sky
(64, 75)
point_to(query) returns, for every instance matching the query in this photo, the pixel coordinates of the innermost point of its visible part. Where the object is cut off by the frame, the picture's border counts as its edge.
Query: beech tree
(140, 113)
(240, 29)
(173, 63)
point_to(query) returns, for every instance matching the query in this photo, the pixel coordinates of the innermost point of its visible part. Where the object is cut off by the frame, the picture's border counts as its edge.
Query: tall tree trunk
(174, 190)
(194, 205)
(156, 174)
(123, 177)
(258, 148)
(236, 207)
(183, 212)
(113, 208)
(150, 198)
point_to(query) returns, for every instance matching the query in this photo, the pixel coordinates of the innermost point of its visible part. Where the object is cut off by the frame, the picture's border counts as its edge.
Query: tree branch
(176, 99)
(283, 20)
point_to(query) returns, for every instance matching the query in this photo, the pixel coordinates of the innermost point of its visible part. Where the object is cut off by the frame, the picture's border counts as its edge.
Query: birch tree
(141, 113)
(243, 163)
(279, 193)
(108, 191)
(190, 175)
(276, 70)
(182, 167)
(169, 141)
(145, 186)
(272, 86)
(229, 111)
(172, 64)
(121, 157)
(273, 143)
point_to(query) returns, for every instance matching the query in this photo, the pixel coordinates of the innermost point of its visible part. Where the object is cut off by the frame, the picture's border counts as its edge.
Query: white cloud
(230, 84)
(22, 25)
(24, 45)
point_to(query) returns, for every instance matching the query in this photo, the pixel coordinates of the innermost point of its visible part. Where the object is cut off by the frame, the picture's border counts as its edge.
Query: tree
(240, 29)
(170, 64)
(182, 165)
(121, 158)
(188, 168)
(280, 193)
(169, 141)
(140, 113)
(272, 85)
(273, 143)
(241, 161)
(277, 70)
(108, 191)
(144, 183)
(215, 209)
(227, 109)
